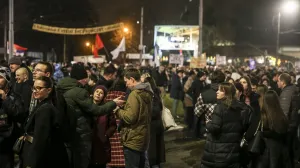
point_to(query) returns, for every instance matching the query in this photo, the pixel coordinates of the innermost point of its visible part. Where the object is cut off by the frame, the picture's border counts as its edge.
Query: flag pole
(107, 54)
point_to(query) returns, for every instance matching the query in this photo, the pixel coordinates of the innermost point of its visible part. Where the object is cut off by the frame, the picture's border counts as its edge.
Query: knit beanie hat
(102, 88)
(78, 72)
(15, 60)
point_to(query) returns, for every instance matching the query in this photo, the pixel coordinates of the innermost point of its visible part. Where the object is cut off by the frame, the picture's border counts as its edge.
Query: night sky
(241, 21)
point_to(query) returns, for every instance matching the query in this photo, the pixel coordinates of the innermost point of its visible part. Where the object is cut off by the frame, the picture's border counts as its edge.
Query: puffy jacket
(135, 133)
(78, 97)
(225, 132)
(286, 98)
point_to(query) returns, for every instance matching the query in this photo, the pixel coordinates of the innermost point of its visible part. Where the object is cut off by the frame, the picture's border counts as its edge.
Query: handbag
(257, 145)
(18, 146)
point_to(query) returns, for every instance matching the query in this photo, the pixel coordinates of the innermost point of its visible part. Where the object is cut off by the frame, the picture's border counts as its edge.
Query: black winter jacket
(47, 149)
(225, 131)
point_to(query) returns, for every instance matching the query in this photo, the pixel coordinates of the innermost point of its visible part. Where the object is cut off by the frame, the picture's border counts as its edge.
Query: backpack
(68, 118)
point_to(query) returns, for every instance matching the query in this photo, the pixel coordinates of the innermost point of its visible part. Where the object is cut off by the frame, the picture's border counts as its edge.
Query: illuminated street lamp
(87, 44)
(288, 7)
(126, 30)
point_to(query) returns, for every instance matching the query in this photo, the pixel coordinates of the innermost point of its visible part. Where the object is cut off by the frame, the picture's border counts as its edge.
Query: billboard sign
(176, 37)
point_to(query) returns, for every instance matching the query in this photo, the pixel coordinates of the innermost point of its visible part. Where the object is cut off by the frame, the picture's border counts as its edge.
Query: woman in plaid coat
(117, 154)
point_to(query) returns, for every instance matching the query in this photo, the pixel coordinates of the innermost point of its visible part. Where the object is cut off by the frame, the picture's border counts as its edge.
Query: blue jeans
(134, 159)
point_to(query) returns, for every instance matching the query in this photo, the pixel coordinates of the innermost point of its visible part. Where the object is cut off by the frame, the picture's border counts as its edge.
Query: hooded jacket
(135, 133)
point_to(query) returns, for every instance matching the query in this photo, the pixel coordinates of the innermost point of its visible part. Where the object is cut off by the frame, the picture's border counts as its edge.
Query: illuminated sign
(176, 37)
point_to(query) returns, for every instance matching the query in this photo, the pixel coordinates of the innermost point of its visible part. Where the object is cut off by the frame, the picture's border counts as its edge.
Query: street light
(126, 30)
(290, 7)
(287, 7)
(87, 44)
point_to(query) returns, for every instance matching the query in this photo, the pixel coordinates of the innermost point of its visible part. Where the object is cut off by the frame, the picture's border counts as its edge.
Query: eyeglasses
(37, 88)
(38, 70)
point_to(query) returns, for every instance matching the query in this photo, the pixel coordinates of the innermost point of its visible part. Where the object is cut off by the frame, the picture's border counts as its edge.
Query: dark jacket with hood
(136, 116)
(85, 110)
(225, 131)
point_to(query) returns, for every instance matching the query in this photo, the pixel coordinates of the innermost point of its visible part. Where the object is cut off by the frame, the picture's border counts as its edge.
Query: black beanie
(78, 72)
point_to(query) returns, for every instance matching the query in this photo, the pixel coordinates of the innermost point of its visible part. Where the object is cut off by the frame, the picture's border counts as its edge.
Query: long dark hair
(261, 90)
(230, 91)
(249, 89)
(272, 114)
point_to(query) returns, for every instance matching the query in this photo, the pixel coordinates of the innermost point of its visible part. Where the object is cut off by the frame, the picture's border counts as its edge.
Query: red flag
(98, 45)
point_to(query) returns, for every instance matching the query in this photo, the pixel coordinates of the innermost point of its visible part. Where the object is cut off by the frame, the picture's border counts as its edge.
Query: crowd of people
(249, 118)
(91, 116)
(55, 115)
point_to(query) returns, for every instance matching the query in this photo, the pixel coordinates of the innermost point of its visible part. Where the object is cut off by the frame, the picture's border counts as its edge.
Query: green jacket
(135, 132)
(79, 98)
(85, 110)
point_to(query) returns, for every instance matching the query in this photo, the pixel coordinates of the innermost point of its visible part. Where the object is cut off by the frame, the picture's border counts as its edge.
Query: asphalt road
(182, 153)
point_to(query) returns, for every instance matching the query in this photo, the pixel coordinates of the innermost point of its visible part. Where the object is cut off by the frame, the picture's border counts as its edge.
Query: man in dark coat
(78, 97)
(289, 109)
(110, 73)
(176, 91)
(161, 79)
(23, 86)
